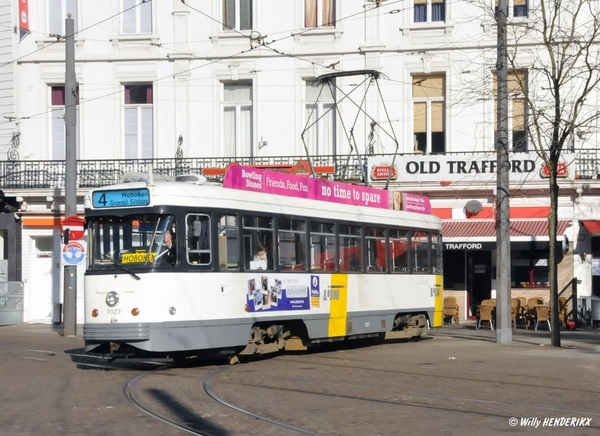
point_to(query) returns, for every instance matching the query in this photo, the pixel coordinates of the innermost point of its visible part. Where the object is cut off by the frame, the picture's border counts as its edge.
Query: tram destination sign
(121, 198)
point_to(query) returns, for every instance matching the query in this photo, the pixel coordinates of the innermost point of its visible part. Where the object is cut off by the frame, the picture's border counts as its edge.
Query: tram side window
(375, 240)
(436, 254)
(292, 244)
(228, 242)
(198, 239)
(398, 251)
(420, 251)
(350, 246)
(258, 234)
(322, 246)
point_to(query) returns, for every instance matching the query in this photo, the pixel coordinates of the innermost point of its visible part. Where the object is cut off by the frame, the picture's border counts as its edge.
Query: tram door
(479, 278)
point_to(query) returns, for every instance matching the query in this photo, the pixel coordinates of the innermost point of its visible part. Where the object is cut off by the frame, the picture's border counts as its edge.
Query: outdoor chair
(535, 301)
(485, 315)
(542, 315)
(451, 310)
(489, 302)
(515, 311)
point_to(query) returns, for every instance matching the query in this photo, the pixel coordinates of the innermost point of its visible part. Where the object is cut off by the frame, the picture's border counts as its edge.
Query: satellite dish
(473, 207)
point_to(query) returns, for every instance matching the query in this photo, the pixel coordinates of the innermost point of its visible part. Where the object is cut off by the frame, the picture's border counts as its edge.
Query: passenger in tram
(168, 255)
(261, 252)
(260, 258)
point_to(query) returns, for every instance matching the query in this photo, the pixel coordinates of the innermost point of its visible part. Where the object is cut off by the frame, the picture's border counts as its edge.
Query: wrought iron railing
(48, 174)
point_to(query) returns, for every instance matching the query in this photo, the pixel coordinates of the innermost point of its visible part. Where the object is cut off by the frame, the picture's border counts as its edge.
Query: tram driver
(168, 252)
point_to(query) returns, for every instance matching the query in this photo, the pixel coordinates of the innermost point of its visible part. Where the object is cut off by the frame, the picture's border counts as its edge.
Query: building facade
(347, 86)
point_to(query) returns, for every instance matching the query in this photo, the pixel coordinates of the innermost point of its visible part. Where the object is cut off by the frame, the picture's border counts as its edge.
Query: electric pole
(503, 283)
(70, 271)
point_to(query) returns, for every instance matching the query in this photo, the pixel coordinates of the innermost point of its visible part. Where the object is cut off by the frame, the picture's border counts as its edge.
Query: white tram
(333, 271)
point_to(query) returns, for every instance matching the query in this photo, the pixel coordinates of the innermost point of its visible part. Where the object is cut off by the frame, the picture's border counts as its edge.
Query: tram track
(181, 410)
(215, 400)
(363, 391)
(261, 391)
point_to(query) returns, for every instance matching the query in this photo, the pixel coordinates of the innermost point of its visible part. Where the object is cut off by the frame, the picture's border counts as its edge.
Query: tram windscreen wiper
(121, 267)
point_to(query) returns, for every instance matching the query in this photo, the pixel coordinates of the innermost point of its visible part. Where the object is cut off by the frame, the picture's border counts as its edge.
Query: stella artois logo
(382, 172)
(562, 171)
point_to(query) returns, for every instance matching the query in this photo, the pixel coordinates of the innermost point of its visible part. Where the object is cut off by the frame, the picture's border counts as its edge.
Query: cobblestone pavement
(44, 392)
(457, 382)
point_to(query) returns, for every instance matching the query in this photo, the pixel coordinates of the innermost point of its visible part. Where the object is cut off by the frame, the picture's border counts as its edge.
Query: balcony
(29, 174)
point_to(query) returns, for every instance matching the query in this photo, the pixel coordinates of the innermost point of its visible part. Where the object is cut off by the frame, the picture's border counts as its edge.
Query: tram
(340, 265)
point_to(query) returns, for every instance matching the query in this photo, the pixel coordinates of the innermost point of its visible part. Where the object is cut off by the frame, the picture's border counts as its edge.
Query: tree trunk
(553, 255)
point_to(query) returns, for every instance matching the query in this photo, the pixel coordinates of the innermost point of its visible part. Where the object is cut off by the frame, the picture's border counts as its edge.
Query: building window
(320, 115)
(237, 119)
(520, 8)
(137, 16)
(516, 8)
(237, 14)
(57, 110)
(429, 11)
(428, 91)
(529, 268)
(57, 12)
(517, 110)
(319, 13)
(138, 121)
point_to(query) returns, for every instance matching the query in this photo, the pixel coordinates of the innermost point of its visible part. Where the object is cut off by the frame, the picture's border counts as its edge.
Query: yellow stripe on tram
(338, 305)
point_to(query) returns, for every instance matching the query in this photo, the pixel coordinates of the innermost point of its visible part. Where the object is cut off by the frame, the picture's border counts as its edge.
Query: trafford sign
(467, 168)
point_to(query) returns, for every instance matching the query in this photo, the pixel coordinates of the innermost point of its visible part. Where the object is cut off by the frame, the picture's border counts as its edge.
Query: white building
(217, 81)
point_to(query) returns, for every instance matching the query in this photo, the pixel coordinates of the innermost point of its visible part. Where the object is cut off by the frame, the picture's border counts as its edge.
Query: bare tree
(559, 50)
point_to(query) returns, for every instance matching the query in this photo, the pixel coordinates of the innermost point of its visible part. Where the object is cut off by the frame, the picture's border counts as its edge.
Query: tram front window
(133, 241)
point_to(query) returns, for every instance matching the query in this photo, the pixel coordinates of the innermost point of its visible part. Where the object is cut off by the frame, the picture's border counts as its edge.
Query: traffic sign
(73, 253)
(75, 225)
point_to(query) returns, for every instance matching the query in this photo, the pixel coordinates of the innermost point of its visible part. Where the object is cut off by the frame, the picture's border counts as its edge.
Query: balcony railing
(47, 174)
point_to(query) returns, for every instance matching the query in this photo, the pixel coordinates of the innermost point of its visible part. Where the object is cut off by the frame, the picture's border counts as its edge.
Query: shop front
(470, 260)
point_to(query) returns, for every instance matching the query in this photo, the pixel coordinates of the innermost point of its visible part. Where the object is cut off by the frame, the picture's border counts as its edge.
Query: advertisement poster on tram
(270, 293)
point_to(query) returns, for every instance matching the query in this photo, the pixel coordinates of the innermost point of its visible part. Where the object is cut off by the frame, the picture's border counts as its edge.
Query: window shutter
(437, 116)
(425, 86)
(420, 114)
(518, 114)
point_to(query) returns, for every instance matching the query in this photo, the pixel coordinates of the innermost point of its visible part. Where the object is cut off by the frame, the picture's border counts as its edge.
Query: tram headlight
(112, 298)
(172, 310)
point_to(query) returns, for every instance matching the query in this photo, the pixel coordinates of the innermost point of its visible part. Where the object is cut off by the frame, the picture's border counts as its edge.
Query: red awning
(486, 228)
(592, 226)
